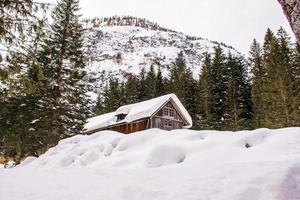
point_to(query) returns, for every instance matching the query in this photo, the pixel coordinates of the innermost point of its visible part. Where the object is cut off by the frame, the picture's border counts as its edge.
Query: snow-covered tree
(64, 96)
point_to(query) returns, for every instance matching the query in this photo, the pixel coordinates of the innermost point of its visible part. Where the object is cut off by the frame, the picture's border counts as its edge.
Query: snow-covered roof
(137, 111)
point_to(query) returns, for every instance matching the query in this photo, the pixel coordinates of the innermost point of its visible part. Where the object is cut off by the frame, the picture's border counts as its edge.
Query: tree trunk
(291, 9)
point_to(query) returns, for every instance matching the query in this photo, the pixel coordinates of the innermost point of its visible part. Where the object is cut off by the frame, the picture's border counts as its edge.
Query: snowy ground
(161, 165)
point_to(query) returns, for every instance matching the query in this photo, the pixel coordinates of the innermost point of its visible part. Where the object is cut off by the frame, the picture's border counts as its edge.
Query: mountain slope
(122, 45)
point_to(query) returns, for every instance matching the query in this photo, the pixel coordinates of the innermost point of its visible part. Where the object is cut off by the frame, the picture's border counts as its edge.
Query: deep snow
(157, 164)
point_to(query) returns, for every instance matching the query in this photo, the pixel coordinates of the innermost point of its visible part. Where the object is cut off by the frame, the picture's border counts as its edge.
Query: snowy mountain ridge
(126, 21)
(123, 45)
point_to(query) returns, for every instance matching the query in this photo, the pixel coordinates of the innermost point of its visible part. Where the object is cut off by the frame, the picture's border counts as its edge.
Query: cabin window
(120, 117)
(169, 111)
(166, 113)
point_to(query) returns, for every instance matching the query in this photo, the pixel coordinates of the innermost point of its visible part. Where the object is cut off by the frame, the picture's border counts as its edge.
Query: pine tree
(277, 59)
(295, 73)
(64, 92)
(285, 78)
(142, 95)
(205, 86)
(150, 82)
(238, 111)
(258, 80)
(176, 80)
(16, 18)
(219, 80)
(160, 84)
(112, 96)
(131, 89)
(99, 107)
(122, 92)
(22, 96)
(274, 82)
(13, 15)
(270, 46)
(191, 96)
(183, 84)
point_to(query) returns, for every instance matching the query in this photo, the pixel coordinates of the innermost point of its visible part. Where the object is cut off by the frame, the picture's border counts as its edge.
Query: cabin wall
(163, 120)
(131, 127)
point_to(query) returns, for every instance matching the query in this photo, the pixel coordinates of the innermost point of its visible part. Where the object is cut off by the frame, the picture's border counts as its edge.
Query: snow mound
(257, 137)
(165, 155)
(155, 164)
(28, 160)
(157, 148)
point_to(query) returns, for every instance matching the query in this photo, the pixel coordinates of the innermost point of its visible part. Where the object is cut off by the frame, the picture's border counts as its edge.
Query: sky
(234, 22)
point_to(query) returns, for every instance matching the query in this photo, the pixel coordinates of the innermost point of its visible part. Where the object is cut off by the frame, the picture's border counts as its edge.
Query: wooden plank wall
(131, 127)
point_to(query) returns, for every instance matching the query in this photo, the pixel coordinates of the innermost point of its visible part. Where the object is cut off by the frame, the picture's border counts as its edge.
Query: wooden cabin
(165, 112)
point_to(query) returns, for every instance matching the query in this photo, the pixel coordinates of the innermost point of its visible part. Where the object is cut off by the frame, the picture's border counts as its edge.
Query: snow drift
(155, 164)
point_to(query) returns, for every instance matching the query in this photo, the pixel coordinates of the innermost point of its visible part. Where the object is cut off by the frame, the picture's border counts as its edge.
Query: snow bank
(27, 160)
(182, 164)
(165, 155)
